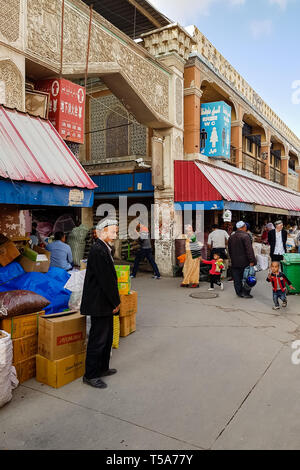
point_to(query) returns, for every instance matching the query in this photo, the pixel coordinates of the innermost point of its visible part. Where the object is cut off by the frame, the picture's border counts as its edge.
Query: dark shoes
(109, 372)
(97, 383)
(248, 296)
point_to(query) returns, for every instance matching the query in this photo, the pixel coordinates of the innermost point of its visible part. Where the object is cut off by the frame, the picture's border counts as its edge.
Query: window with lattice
(117, 134)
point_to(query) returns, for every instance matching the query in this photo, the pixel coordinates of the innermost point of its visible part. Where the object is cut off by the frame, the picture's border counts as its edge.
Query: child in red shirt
(279, 282)
(217, 267)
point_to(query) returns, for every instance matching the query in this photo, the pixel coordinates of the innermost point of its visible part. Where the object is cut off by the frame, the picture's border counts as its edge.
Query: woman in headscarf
(191, 270)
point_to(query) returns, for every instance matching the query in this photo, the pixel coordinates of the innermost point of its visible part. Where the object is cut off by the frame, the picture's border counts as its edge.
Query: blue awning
(35, 194)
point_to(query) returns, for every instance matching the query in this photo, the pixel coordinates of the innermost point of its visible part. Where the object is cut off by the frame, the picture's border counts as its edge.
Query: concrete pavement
(197, 374)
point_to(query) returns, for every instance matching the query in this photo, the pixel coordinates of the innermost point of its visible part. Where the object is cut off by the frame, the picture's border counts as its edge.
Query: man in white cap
(242, 255)
(100, 301)
(277, 239)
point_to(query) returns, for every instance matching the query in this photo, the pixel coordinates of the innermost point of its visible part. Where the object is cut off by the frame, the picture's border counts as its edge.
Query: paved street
(197, 374)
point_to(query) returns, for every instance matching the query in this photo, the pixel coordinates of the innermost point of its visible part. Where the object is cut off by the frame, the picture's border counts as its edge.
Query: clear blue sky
(260, 38)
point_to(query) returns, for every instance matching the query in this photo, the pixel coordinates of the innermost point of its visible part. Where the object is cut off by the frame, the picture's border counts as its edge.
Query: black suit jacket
(100, 293)
(272, 240)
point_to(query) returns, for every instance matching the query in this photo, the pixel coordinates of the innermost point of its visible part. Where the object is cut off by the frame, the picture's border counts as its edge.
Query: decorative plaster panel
(10, 20)
(13, 80)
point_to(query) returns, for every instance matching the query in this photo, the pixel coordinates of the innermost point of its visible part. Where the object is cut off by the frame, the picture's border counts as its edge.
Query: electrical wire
(108, 128)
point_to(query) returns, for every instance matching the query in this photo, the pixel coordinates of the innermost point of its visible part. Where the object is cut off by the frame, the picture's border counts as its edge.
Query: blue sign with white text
(215, 130)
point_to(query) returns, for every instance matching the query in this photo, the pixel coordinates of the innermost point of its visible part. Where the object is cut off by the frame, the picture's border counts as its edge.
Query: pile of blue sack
(49, 285)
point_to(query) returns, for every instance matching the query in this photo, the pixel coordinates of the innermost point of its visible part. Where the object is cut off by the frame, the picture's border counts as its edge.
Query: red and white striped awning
(198, 181)
(31, 150)
(235, 187)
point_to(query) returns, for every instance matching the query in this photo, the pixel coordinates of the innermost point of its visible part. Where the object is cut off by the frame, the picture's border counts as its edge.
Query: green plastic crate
(291, 268)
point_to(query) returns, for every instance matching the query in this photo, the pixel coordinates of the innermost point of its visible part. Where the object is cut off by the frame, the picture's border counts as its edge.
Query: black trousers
(99, 346)
(215, 279)
(238, 274)
(142, 254)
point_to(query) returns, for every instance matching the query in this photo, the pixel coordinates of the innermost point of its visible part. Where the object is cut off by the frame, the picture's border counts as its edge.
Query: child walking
(279, 282)
(217, 267)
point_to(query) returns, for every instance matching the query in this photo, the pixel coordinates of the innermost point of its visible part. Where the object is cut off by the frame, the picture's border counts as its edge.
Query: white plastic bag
(8, 376)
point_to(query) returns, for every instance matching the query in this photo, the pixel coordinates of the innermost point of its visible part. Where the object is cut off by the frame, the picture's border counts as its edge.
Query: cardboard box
(123, 273)
(129, 304)
(24, 348)
(26, 369)
(8, 253)
(61, 372)
(127, 325)
(30, 266)
(23, 325)
(124, 288)
(61, 335)
(83, 264)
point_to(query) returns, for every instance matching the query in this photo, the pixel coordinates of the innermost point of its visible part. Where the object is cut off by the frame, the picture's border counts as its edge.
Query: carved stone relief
(44, 37)
(10, 19)
(44, 28)
(13, 80)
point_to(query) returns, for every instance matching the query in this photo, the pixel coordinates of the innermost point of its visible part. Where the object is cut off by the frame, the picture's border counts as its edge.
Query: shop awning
(33, 153)
(197, 181)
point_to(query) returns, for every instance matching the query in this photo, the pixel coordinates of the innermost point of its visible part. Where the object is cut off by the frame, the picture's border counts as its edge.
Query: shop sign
(66, 108)
(215, 135)
(76, 197)
(227, 215)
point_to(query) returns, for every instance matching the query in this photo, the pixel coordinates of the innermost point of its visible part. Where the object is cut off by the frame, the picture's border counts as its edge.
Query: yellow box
(26, 369)
(127, 325)
(129, 304)
(124, 288)
(24, 348)
(123, 273)
(23, 325)
(56, 374)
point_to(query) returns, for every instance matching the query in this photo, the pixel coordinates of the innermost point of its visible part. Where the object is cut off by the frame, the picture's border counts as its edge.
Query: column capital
(193, 91)
(285, 157)
(237, 124)
(266, 144)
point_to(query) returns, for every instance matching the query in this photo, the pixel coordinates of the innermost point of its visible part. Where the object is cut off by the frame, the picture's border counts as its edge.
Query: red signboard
(66, 108)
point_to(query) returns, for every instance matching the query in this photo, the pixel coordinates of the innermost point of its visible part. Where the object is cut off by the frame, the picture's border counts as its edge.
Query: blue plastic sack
(45, 285)
(10, 272)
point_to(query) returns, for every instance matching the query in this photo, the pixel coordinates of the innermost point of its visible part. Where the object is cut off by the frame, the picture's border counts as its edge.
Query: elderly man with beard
(100, 301)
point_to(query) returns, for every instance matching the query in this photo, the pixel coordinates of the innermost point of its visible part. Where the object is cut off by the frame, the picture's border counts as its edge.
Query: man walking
(277, 240)
(101, 301)
(242, 255)
(145, 251)
(217, 242)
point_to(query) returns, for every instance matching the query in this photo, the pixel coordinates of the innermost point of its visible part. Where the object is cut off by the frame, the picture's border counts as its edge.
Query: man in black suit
(277, 240)
(101, 301)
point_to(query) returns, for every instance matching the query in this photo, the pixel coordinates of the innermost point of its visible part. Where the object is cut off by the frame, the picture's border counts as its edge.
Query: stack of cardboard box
(128, 308)
(128, 311)
(61, 348)
(124, 281)
(24, 333)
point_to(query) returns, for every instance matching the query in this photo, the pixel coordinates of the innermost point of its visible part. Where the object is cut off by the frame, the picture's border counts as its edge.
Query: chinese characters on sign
(66, 109)
(216, 130)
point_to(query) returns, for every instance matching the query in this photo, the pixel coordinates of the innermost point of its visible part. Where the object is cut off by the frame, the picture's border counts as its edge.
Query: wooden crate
(129, 304)
(127, 325)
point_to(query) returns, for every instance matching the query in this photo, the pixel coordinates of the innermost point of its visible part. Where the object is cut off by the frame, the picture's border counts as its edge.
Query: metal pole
(62, 36)
(88, 45)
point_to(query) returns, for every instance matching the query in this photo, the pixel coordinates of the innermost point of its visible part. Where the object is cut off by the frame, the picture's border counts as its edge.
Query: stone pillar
(237, 141)
(298, 171)
(285, 168)
(171, 45)
(192, 110)
(87, 216)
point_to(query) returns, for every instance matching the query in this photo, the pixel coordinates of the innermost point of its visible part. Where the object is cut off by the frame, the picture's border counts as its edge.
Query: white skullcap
(240, 224)
(106, 223)
(278, 222)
